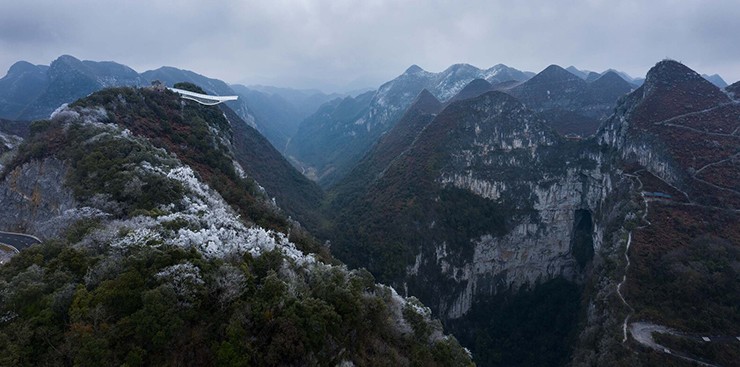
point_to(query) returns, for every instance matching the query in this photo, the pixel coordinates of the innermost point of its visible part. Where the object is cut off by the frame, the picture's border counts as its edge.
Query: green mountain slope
(173, 257)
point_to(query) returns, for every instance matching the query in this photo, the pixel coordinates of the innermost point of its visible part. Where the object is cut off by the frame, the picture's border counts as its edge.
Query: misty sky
(346, 44)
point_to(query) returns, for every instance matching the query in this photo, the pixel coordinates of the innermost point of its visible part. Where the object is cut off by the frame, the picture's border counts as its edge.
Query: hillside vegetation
(183, 260)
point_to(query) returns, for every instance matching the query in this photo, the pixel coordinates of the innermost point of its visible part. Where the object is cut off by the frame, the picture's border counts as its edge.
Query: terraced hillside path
(627, 257)
(641, 331)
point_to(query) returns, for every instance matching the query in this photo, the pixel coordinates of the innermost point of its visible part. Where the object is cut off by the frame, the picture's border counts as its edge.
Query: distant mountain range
(570, 104)
(39, 90)
(31, 92)
(327, 147)
(590, 76)
(545, 219)
(324, 145)
(328, 151)
(715, 79)
(479, 208)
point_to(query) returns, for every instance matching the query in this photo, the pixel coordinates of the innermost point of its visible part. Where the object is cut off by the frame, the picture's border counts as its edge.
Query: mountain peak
(671, 71)
(67, 59)
(475, 88)
(478, 84)
(553, 68)
(716, 80)
(608, 88)
(553, 79)
(622, 74)
(672, 89)
(579, 73)
(21, 67)
(426, 102)
(670, 76)
(461, 68)
(611, 77)
(413, 69)
(502, 73)
(65, 63)
(592, 76)
(556, 72)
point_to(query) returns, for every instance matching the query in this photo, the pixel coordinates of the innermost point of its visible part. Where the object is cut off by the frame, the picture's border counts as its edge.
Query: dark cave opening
(582, 243)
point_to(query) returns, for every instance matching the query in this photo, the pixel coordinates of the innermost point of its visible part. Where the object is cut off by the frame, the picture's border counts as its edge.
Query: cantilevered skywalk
(203, 98)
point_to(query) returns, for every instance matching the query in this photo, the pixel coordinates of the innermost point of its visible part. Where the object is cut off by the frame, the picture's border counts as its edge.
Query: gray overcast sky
(354, 43)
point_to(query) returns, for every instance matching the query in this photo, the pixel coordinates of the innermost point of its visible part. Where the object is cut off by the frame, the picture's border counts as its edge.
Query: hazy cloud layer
(341, 44)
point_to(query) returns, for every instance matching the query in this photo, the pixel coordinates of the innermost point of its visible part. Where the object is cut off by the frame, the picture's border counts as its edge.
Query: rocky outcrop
(539, 247)
(35, 200)
(8, 142)
(485, 160)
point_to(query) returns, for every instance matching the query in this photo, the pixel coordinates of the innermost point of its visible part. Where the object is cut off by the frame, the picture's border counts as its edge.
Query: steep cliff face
(676, 140)
(493, 148)
(486, 201)
(538, 247)
(295, 194)
(510, 157)
(8, 142)
(36, 201)
(660, 192)
(663, 180)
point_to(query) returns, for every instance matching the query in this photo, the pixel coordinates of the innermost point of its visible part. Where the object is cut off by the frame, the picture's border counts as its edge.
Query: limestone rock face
(35, 200)
(487, 202)
(503, 197)
(538, 247)
(8, 143)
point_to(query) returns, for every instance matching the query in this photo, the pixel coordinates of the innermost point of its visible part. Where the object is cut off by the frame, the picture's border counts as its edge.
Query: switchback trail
(642, 332)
